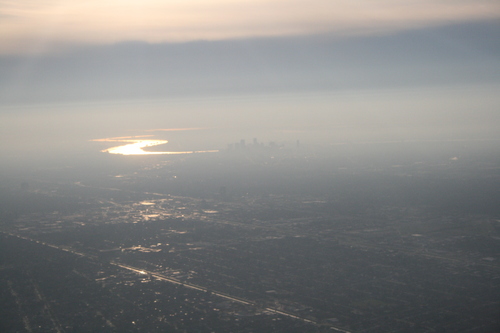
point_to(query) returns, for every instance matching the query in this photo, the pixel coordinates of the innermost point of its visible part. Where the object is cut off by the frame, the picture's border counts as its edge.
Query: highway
(168, 279)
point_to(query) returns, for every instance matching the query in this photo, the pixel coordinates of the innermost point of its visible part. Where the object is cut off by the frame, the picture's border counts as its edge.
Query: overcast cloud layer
(46, 25)
(463, 54)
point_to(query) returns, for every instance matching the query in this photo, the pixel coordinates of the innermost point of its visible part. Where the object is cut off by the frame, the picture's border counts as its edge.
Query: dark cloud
(457, 54)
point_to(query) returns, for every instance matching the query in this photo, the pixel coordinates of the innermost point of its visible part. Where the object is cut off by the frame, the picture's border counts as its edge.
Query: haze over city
(250, 166)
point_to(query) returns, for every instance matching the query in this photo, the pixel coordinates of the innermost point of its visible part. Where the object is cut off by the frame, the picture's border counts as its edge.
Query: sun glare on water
(135, 147)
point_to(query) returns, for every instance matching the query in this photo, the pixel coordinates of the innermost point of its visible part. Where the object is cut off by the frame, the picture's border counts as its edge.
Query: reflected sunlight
(135, 147)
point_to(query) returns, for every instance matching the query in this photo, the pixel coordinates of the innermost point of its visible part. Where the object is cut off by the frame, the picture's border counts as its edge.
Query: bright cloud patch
(41, 26)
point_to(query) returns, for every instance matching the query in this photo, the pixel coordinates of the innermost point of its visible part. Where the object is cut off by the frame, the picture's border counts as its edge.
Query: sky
(97, 69)
(48, 25)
